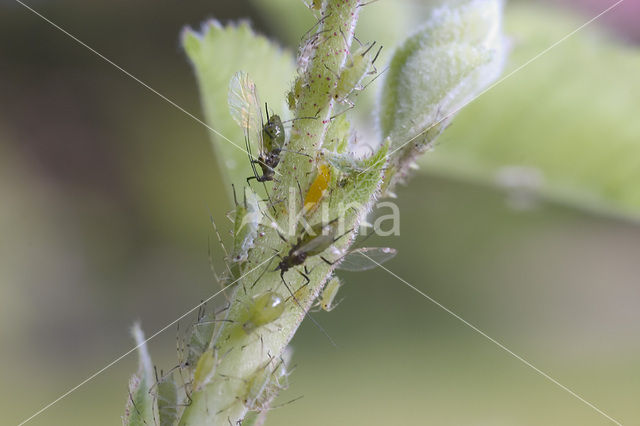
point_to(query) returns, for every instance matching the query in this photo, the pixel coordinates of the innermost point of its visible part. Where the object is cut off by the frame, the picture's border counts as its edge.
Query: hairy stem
(243, 359)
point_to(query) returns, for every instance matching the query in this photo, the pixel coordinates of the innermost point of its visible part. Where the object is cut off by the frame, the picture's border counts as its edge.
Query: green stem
(242, 357)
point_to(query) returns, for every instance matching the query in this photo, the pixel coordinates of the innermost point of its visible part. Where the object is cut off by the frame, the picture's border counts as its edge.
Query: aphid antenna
(365, 4)
(215, 321)
(224, 249)
(213, 269)
(315, 117)
(344, 111)
(275, 407)
(295, 152)
(320, 21)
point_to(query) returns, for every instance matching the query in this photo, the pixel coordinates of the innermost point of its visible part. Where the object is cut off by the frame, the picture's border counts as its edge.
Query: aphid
(309, 244)
(167, 398)
(354, 72)
(265, 385)
(329, 293)
(205, 370)
(246, 220)
(200, 335)
(317, 189)
(244, 106)
(265, 309)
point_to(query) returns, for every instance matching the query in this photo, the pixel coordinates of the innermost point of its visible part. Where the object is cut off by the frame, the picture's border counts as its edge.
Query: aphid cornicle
(244, 106)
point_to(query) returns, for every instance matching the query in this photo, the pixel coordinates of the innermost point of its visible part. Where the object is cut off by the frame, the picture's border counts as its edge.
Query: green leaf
(567, 121)
(217, 53)
(455, 55)
(141, 407)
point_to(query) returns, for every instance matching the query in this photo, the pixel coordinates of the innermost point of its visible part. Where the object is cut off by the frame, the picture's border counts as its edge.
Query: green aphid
(265, 309)
(246, 221)
(168, 401)
(329, 293)
(354, 72)
(200, 336)
(265, 385)
(205, 370)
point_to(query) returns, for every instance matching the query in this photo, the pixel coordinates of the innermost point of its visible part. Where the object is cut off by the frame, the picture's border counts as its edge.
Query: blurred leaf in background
(565, 125)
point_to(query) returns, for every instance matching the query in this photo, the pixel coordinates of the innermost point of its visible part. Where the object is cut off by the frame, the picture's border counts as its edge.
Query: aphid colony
(270, 137)
(334, 170)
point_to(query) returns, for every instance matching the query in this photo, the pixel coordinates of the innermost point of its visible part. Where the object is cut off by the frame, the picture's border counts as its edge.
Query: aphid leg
(367, 3)
(346, 46)
(235, 198)
(263, 272)
(328, 262)
(320, 21)
(302, 309)
(374, 78)
(252, 161)
(363, 54)
(377, 54)
(282, 237)
(300, 192)
(355, 38)
(305, 276)
(266, 191)
(337, 76)
(348, 102)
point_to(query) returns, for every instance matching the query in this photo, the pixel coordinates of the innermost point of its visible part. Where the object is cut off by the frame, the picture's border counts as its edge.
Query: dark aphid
(244, 106)
(272, 143)
(308, 245)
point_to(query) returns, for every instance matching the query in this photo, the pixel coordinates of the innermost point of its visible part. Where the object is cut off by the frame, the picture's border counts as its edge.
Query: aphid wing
(366, 258)
(244, 105)
(316, 245)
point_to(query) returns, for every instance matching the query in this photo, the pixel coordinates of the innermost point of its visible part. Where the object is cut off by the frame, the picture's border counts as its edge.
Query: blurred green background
(105, 197)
